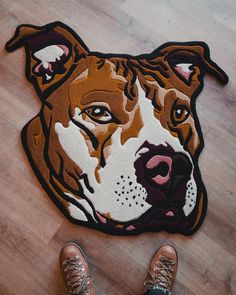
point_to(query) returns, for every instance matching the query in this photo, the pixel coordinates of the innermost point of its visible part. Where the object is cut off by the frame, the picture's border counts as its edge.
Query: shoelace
(162, 274)
(77, 281)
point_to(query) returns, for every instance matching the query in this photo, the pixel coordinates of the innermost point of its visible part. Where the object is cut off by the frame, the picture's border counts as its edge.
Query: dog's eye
(99, 114)
(179, 114)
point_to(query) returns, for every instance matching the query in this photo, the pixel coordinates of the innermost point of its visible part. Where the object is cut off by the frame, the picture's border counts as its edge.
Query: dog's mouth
(155, 217)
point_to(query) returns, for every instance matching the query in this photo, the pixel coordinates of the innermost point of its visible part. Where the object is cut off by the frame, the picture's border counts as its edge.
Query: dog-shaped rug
(117, 140)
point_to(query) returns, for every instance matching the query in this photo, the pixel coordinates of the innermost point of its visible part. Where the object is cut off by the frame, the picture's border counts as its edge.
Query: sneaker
(162, 270)
(75, 270)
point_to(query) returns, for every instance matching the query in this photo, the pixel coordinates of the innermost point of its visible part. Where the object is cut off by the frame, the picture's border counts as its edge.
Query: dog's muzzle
(163, 172)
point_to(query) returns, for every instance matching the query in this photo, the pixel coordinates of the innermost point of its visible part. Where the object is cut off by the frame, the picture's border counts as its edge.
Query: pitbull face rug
(117, 140)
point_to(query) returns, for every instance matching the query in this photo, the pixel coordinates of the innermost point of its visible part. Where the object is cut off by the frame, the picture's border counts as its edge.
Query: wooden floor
(32, 230)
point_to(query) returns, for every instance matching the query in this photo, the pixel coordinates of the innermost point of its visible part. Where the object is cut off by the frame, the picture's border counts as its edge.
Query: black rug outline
(44, 95)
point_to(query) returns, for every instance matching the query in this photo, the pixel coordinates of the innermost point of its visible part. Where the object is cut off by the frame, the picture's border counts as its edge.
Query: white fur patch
(77, 213)
(49, 54)
(84, 203)
(190, 197)
(74, 145)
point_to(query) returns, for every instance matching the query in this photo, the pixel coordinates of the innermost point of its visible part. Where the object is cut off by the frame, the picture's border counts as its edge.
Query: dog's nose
(162, 171)
(159, 168)
(167, 171)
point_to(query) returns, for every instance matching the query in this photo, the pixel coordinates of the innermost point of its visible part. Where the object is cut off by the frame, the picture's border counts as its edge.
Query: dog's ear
(187, 62)
(52, 53)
